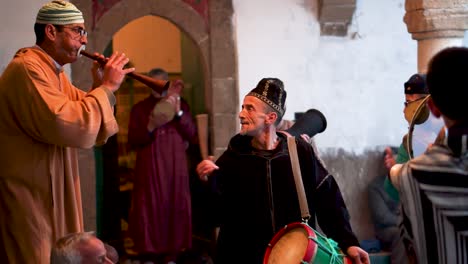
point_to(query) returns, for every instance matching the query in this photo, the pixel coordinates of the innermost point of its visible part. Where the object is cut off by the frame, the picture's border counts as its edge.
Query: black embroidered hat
(271, 91)
(416, 84)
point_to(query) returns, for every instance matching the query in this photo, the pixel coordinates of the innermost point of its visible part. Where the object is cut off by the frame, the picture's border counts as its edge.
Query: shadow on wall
(354, 173)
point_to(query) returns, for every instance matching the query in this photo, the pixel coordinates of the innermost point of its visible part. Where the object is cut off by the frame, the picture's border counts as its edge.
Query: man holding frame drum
(160, 130)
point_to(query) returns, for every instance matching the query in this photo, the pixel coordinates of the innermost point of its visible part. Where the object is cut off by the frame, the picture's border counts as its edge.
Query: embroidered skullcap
(59, 12)
(271, 91)
(416, 84)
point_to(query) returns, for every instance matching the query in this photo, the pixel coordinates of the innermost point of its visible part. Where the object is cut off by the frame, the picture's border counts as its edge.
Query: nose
(241, 114)
(84, 40)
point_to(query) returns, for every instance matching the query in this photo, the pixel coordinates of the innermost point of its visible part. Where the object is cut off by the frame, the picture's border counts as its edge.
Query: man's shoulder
(30, 52)
(239, 142)
(439, 158)
(32, 57)
(142, 103)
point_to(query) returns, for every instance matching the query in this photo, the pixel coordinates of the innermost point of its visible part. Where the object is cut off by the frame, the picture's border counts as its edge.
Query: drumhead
(290, 248)
(424, 130)
(165, 108)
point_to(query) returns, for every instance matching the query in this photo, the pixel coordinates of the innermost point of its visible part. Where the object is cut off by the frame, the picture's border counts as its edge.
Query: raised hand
(389, 160)
(358, 255)
(114, 72)
(206, 167)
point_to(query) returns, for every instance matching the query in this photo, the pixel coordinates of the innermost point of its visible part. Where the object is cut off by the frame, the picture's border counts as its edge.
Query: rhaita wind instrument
(158, 86)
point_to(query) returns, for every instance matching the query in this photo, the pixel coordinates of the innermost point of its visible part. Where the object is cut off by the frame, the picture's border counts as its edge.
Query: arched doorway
(214, 39)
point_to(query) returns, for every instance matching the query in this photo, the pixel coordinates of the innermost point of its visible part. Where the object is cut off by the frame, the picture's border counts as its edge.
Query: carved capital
(426, 19)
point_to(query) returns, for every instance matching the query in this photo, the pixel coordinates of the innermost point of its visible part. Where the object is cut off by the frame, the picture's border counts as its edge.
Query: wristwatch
(179, 113)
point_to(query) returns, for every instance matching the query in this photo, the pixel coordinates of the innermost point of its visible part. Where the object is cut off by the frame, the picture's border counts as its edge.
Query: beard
(244, 130)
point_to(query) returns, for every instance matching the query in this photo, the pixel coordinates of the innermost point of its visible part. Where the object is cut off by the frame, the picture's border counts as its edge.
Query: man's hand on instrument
(206, 168)
(114, 72)
(174, 100)
(358, 255)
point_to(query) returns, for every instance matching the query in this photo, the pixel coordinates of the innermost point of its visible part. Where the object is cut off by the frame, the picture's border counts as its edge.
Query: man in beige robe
(43, 119)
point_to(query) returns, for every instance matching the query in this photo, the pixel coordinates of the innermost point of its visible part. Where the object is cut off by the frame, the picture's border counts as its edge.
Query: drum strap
(298, 178)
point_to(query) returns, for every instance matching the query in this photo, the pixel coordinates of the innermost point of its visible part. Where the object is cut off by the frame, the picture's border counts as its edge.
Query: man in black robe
(257, 189)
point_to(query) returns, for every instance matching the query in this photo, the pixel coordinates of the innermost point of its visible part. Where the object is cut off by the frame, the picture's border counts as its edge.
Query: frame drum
(164, 107)
(424, 130)
(299, 243)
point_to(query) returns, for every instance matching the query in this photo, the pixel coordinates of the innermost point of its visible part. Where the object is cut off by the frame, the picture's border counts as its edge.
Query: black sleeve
(331, 211)
(216, 188)
(332, 214)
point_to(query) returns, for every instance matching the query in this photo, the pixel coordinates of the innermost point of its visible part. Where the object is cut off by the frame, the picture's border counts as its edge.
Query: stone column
(435, 24)
(223, 100)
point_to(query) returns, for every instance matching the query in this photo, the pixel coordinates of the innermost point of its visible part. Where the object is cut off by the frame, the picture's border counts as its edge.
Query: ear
(50, 32)
(435, 111)
(271, 117)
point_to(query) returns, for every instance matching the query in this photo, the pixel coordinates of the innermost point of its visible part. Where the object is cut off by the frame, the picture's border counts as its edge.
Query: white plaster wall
(356, 81)
(17, 19)
(17, 31)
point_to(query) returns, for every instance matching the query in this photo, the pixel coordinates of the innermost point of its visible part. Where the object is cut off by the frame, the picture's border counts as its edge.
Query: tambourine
(424, 130)
(299, 243)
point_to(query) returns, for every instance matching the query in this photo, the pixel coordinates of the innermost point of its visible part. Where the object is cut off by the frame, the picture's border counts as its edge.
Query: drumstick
(202, 126)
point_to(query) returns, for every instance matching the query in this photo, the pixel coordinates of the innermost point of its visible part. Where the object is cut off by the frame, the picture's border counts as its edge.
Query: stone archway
(179, 13)
(213, 37)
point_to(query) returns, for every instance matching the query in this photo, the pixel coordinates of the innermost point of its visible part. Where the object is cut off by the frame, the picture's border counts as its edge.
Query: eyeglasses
(406, 103)
(79, 31)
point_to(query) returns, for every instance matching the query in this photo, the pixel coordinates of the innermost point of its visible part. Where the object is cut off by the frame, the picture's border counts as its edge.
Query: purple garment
(160, 220)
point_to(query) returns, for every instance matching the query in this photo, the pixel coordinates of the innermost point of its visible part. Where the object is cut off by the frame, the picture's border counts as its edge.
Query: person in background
(442, 169)
(256, 186)
(44, 119)
(111, 253)
(160, 221)
(81, 248)
(385, 212)
(415, 90)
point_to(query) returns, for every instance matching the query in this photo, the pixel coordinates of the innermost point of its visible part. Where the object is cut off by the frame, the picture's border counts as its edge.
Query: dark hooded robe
(258, 197)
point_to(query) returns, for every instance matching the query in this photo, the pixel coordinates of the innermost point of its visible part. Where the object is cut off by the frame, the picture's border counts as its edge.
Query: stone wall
(354, 172)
